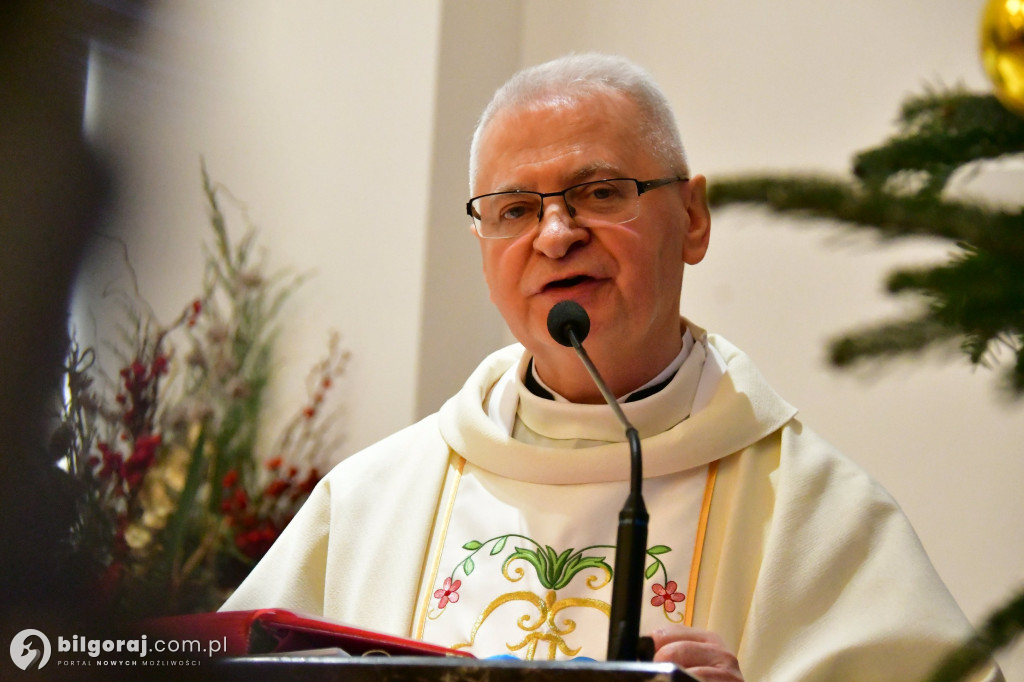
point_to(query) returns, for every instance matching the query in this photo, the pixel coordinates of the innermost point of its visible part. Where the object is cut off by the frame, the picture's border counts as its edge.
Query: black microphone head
(566, 316)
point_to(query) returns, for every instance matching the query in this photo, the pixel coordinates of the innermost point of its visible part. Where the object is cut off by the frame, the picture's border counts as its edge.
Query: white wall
(345, 126)
(461, 326)
(319, 116)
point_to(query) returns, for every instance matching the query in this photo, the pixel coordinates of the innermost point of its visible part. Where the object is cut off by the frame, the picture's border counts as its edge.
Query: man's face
(628, 277)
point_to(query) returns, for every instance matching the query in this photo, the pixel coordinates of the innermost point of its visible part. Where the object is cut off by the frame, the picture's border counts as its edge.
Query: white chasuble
(519, 567)
(809, 571)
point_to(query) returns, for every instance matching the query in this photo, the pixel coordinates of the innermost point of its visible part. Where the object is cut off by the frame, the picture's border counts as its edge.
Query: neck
(563, 371)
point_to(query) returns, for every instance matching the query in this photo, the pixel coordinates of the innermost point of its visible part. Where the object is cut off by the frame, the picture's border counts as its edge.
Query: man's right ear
(698, 230)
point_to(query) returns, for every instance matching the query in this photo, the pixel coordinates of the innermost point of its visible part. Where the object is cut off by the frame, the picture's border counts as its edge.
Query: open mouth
(568, 282)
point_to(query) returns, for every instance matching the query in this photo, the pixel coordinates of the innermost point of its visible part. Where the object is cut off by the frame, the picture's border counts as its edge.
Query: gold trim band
(458, 463)
(702, 527)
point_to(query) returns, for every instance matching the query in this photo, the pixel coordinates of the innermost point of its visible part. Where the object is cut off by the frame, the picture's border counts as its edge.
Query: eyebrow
(596, 170)
(592, 170)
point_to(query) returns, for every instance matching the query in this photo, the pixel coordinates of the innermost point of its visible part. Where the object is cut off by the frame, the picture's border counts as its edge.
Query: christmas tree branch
(888, 339)
(890, 214)
(978, 295)
(1001, 628)
(938, 133)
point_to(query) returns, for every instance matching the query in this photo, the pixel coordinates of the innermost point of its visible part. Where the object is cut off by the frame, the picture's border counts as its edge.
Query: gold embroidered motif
(676, 617)
(548, 610)
(542, 627)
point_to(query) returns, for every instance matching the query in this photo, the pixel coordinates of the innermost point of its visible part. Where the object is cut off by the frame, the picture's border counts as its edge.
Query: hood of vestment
(743, 409)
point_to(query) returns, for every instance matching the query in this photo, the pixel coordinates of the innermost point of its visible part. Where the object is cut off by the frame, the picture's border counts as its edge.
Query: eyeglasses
(501, 215)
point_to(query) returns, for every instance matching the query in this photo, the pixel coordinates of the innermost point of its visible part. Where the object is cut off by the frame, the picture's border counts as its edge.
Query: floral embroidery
(554, 570)
(666, 596)
(448, 592)
(547, 631)
(657, 564)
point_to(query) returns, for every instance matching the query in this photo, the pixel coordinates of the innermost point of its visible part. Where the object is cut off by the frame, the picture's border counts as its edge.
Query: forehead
(558, 141)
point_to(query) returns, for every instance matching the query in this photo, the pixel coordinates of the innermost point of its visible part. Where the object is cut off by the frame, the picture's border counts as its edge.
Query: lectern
(276, 644)
(420, 669)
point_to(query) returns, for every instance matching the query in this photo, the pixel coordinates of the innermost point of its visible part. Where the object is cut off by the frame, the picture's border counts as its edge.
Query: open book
(264, 631)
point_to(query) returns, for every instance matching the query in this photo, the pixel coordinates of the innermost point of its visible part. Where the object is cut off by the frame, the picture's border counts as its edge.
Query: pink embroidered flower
(665, 596)
(448, 592)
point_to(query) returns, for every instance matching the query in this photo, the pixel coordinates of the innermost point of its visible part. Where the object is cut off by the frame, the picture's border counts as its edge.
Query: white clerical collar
(503, 400)
(562, 423)
(662, 377)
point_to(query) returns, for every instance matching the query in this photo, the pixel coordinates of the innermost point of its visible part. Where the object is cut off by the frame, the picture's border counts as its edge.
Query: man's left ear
(698, 232)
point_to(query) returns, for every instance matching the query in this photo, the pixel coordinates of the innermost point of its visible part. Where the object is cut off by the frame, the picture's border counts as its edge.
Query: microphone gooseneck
(569, 325)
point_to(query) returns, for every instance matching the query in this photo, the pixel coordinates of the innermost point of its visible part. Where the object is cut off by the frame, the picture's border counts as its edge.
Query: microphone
(569, 325)
(566, 317)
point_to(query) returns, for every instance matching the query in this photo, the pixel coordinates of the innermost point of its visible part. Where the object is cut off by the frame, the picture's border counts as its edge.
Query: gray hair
(577, 76)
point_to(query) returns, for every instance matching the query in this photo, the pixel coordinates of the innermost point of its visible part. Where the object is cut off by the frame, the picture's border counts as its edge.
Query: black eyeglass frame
(641, 187)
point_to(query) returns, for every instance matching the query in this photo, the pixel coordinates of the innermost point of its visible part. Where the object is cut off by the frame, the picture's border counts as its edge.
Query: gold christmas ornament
(1002, 50)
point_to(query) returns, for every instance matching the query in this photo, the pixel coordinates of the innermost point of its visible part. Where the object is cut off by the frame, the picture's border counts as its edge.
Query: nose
(558, 232)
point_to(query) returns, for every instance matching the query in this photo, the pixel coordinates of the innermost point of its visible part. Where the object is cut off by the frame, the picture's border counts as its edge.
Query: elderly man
(490, 526)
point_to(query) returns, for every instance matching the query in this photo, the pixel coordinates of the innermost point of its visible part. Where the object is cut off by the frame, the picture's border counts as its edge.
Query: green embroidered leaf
(472, 545)
(579, 563)
(534, 559)
(549, 563)
(593, 562)
(652, 569)
(564, 555)
(499, 545)
(468, 566)
(658, 549)
(554, 570)
(523, 553)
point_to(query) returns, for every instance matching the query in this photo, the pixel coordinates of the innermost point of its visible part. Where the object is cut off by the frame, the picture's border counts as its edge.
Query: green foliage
(897, 191)
(175, 504)
(938, 133)
(1001, 629)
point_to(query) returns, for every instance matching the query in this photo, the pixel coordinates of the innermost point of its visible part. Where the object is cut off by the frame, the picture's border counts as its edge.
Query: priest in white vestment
(490, 526)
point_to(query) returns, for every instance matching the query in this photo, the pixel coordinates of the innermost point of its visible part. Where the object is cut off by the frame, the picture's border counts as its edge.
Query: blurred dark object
(52, 192)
